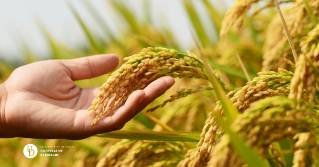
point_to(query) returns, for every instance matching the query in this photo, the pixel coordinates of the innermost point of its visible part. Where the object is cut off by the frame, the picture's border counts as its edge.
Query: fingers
(155, 89)
(129, 110)
(92, 66)
(136, 102)
(139, 99)
(120, 117)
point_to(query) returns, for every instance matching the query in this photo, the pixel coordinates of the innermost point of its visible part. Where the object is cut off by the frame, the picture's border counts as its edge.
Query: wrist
(3, 98)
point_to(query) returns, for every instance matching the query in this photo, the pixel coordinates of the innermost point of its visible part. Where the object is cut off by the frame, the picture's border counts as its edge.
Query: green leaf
(147, 11)
(130, 17)
(127, 14)
(86, 30)
(28, 56)
(99, 20)
(229, 70)
(140, 117)
(89, 146)
(194, 18)
(56, 53)
(157, 121)
(249, 155)
(215, 16)
(230, 110)
(150, 42)
(287, 145)
(153, 135)
(5, 70)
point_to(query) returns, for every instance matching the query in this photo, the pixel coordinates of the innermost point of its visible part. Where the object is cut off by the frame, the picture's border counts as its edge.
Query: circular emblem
(30, 151)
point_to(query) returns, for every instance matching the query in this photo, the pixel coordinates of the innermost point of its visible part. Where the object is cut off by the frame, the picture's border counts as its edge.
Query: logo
(30, 151)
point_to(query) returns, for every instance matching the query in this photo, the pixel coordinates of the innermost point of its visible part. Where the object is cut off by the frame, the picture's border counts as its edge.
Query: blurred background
(34, 30)
(19, 22)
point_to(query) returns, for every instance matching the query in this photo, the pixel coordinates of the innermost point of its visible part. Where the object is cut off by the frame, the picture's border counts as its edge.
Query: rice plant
(215, 115)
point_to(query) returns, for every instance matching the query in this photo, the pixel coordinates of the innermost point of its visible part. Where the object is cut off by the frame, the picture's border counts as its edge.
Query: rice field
(246, 98)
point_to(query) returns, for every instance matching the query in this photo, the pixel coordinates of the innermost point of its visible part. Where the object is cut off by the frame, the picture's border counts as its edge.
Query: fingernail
(170, 82)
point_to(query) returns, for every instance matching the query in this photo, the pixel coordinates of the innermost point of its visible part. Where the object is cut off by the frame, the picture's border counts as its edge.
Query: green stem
(230, 110)
(287, 32)
(243, 66)
(157, 121)
(94, 149)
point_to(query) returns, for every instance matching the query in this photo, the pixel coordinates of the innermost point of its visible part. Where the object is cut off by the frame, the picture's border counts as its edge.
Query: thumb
(91, 66)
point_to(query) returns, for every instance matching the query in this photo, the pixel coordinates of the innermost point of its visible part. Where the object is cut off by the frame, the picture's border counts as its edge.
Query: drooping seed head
(140, 70)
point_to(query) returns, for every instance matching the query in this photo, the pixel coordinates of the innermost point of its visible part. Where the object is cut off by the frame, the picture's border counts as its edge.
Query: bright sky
(18, 20)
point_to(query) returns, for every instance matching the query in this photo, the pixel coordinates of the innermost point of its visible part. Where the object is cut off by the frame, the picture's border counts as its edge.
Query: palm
(42, 100)
(44, 96)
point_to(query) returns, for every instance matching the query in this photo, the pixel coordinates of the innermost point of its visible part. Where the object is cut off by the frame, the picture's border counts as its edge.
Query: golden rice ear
(183, 92)
(264, 111)
(258, 124)
(304, 77)
(116, 153)
(235, 15)
(288, 35)
(139, 71)
(301, 154)
(276, 46)
(143, 153)
(267, 84)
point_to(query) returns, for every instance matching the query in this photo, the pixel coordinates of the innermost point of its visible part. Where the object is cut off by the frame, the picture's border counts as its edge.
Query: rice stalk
(276, 46)
(270, 5)
(268, 84)
(304, 76)
(143, 153)
(243, 66)
(158, 122)
(235, 15)
(262, 124)
(265, 124)
(307, 144)
(180, 93)
(116, 153)
(283, 21)
(140, 70)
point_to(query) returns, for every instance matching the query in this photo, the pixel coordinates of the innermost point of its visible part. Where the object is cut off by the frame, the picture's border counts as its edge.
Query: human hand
(40, 100)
